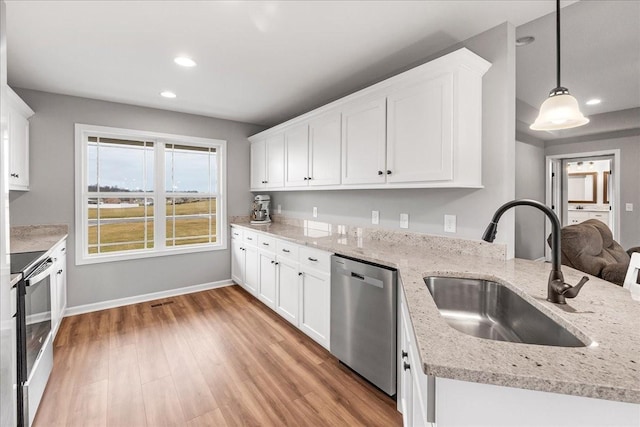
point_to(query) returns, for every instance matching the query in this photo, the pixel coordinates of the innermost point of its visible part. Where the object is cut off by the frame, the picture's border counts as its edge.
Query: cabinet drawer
(236, 233)
(250, 237)
(287, 250)
(315, 258)
(266, 243)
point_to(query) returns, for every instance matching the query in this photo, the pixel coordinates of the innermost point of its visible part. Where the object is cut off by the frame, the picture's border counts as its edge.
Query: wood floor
(212, 358)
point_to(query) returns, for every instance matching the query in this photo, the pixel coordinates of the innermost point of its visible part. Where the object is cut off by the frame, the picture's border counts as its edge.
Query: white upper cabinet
(18, 116)
(267, 162)
(259, 164)
(419, 129)
(363, 141)
(296, 155)
(324, 150)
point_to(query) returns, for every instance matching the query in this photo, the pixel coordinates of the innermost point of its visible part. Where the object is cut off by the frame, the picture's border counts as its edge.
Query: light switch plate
(628, 207)
(375, 217)
(450, 223)
(404, 220)
(279, 208)
(315, 212)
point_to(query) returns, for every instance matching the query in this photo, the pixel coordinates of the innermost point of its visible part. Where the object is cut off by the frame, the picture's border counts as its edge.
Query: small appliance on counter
(260, 209)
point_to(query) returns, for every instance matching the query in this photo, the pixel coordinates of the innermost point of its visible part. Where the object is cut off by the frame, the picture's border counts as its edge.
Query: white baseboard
(88, 308)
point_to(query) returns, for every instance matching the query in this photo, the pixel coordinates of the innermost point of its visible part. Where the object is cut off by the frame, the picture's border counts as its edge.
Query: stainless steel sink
(487, 309)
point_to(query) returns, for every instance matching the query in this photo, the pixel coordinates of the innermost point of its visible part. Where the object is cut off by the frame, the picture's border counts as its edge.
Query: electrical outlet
(279, 209)
(404, 220)
(375, 217)
(628, 207)
(450, 223)
(315, 212)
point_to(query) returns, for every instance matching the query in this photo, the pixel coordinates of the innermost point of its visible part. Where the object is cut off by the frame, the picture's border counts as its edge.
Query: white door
(297, 156)
(275, 161)
(420, 131)
(364, 142)
(324, 150)
(258, 164)
(315, 305)
(237, 261)
(287, 297)
(406, 383)
(251, 270)
(267, 287)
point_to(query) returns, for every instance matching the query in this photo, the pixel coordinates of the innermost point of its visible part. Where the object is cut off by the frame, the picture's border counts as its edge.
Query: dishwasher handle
(362, 278)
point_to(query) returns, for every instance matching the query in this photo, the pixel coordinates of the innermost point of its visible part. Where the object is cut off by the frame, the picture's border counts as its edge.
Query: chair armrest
(633, 250)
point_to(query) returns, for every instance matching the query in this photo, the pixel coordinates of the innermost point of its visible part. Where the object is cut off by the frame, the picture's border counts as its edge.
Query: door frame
(553, 189)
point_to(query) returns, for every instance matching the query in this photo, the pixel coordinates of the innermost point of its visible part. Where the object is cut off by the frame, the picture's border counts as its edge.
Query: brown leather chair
(589, 247)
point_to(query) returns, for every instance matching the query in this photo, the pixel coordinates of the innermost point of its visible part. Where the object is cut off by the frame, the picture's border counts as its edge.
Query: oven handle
(32, 280)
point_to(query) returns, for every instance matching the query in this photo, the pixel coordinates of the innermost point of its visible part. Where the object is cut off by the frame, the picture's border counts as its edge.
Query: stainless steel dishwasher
(363, 319)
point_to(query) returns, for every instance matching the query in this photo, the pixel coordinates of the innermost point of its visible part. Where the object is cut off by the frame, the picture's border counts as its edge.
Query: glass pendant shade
(559, 112)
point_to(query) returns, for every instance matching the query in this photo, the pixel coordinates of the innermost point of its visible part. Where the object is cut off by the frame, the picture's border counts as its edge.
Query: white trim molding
(104, 305)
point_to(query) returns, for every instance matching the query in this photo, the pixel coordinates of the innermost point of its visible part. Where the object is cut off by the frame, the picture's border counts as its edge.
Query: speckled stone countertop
(603, 313)
(30, 238)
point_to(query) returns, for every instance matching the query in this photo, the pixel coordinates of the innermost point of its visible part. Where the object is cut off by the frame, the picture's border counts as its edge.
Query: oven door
(35, 358)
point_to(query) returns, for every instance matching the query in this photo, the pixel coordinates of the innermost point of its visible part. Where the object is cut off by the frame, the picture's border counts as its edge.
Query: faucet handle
(572, 291)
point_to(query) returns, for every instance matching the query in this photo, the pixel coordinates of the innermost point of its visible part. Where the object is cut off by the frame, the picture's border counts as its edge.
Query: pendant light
(560, 110)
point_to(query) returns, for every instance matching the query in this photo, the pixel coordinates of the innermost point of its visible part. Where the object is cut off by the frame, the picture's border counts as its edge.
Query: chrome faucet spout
(557, 289)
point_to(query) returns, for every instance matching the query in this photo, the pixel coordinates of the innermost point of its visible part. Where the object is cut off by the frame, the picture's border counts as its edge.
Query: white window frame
(83, 131)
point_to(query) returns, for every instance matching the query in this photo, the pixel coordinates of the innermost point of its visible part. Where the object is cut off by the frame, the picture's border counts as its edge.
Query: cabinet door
(259, 164)
(325, 149)
(251, 269)
(420, 131)
(275, 161)
(314, 302)
(287, 297)
(237, 260)
(297, 156)
(363, 142)
(406, 383)
(267, 288)
(18, 151)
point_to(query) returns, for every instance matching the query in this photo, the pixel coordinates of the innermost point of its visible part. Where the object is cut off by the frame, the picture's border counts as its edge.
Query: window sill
(99, 259)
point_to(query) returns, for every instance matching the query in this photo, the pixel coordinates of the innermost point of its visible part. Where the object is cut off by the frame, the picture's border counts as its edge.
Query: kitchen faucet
(557, 289)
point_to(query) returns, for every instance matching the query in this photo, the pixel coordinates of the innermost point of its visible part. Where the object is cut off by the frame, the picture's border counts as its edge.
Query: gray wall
(530, 239)
(51, 199)
(629, 178)
(426, 207)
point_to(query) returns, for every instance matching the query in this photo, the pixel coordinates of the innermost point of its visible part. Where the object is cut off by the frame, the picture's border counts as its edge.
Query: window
(142, 194)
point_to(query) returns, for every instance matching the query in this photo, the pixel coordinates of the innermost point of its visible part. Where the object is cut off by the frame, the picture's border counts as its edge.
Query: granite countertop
(31, 238)
(603, 313)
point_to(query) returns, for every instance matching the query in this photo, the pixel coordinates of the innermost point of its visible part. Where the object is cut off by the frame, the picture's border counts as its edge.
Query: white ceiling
(258, 62)
(600, 56)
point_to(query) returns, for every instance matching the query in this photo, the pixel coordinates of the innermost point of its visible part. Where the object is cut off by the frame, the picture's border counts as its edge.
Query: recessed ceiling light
(168, 94)
(523, 41)
(594, 101)
(184, 61)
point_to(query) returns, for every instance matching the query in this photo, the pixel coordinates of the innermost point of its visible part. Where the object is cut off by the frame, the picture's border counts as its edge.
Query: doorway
(581, 186)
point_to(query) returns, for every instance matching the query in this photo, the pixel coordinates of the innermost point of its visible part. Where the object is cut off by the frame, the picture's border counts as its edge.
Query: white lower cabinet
(267, 282)
(244, 260)
(287, 299)
(291, 279)
(315, 313)
(58, 286)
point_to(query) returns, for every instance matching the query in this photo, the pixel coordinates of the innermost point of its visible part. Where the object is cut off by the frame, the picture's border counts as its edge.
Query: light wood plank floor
(212, 358)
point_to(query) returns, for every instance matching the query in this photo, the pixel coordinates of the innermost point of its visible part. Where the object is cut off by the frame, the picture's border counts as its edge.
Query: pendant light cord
(558, 40)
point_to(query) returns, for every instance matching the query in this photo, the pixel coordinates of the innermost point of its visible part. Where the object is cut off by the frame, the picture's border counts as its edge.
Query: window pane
(92, 166)
(121, 165)
(187, 169)
(120, 224)
(190, 220)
